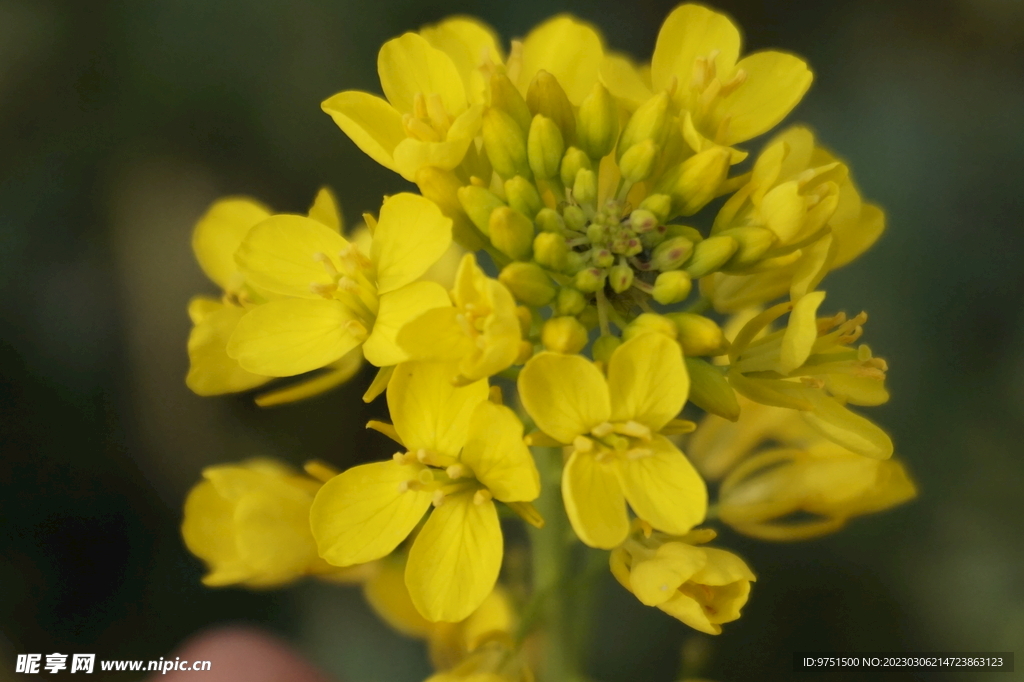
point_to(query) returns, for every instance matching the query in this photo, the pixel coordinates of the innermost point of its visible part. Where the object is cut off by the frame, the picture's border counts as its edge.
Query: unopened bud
(548, 220)
(710, 255)
(573, 161)
(698, 335)
(638, 161)
(564, 335)
(642, 220)
(575, 218)
(546, 97)
(604, 346)
(603, 258)
(597, 122)
(753, 243)
(584, 190)
(658, 204)
(570, 301)
(695, 182)
(574, 262)
(589, 280)
(672, 287)
(691, 233)
(505, 143)
(647, 323)
(528, 283)
(523, 196)
(545, 147)
(525, 318)
(479, 203)
(511, 232)
(442, 187)
(710, 391)
(648, 122)
(505, 96)
(620, 277)
(671, 253)
(550, 250)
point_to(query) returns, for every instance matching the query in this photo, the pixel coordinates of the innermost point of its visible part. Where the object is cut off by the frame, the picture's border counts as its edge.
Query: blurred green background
(121, 121)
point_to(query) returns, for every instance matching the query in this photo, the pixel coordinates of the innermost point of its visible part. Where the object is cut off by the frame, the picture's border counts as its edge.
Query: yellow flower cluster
(623, 262)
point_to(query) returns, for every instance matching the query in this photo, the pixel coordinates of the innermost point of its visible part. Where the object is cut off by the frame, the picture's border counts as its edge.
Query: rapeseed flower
(611, 426)
(461, 453)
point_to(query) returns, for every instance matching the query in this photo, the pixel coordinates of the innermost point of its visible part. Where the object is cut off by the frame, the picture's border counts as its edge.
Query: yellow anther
(422, 455)
(481, 496)
(603, 429)
(639, 453)
(357, 329)
(419, 129)
(634, 429)
(734, 82)
(419, 105)
(438, 499)
(438, 116)
(813, 382)
(328, 264)
(321, 289)
(582, 444)
(457, 471)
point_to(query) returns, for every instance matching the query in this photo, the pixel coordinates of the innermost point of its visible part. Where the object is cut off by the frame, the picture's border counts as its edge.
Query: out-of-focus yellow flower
(480, 332)
(462, 452)
(721, 98)
(702, 586)
(330, 298)
(612, 425)
(250, 523)
(810, 366)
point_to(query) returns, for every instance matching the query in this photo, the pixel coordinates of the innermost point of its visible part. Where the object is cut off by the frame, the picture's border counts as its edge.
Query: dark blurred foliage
(121, 121)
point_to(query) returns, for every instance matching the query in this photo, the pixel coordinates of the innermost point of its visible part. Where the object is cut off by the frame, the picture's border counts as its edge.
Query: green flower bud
(753, 242)
(671, 253)
(545, 147)
(528, 283)
(589, 280)
(546, 97)
(584, 190)
(638, 161)
(525, 317)
(523, 196)
(694, 182)
(658, 204)
(505, 96)
(570, 301)
(642, 220)
(478, 203)
(442, 187)
(574, 262)
(604, 346)
(505, 143)
(691, 233)
(710, 391)
(711, 254)
(550, 250)
(648, 122)
(549, 220)
(574, 160)
(672, 287)
(575, 218)
(698, 335)
(620, 277)
(511, 232)
(564, 335)
(597, 123)
(603, 258)
(649, 322)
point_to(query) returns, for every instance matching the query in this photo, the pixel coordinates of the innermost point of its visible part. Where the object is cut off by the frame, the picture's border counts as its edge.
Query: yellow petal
(722, 568)
(470, 44)
(497, 455)
(201, 307)
(664, 489)
(281, 255)
(689, 32)
(623, 80)
(594, 502)
(655, 580)
(411, 235)
(219, 232)
(373, 124)
(454, 561)
(775, 83)
(411, 155)
(208, 531)
(337, 373)
(569, 50)
(362, 514)
(428, 411)
(647, 380)
(849, 429)
(398, 308)
(211, 371)
(861, 235)
(292, 336)
(435, 335)
(325, 210)
(389, 597)
(565, 394)
(408, 65)
(685, 608)
(801, 332)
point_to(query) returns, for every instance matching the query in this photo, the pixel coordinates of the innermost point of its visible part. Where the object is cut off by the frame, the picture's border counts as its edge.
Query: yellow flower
(215, 240)
(462, 451)
(567, 48)
(696, 59)
(330, 298)
(480, 332)
(806, 198)
(703, 587)
(250, 523)
(612, 425)
(810, 366)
